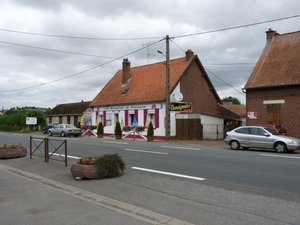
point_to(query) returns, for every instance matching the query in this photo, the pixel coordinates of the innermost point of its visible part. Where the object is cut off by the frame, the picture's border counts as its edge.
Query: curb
(102, 201)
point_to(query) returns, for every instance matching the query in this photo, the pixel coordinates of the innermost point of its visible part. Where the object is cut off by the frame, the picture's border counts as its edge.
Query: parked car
(64, 130)
(46, 128)
(280, 129)
(260, 137)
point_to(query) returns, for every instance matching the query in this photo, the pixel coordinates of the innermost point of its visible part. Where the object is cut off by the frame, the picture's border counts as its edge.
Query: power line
(122, 39)
(224, 82)
(143, 38)
(54, 50)
(106, 57)
(84, 71)
(77, 37)
(236, 27)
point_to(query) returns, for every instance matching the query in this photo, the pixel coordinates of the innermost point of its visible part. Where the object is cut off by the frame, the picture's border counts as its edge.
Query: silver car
(260, 137)
(64, 130)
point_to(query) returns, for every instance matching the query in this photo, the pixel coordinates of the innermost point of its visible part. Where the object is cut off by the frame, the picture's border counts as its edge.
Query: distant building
(69, 113)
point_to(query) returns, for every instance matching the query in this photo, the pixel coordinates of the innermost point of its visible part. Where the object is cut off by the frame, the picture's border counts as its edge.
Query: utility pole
(167, 123)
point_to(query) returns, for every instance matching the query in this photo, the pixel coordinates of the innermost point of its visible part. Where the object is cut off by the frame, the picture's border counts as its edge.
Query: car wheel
(280, 147)
(234, 145)
(63, 134)
(49, 133)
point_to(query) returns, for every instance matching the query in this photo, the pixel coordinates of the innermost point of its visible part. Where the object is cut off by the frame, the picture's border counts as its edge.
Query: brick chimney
(189, 54)
(270, 35)
(126, 71)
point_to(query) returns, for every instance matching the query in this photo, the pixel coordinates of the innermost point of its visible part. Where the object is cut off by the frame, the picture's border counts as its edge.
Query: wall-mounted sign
(132, 107)
(181, 106)
(30, 120)
(88, 111)
(252, 115)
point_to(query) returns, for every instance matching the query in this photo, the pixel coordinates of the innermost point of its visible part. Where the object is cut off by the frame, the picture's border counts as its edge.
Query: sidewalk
(35, 192)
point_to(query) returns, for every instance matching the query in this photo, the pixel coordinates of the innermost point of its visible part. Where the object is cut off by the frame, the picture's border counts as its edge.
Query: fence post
(66, 154)
(30, 147)
(46, 150)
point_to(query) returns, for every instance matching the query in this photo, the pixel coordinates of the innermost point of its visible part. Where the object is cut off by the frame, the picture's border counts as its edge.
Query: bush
(150, 131)
(118, 130)
(100, 129)
(110, 164)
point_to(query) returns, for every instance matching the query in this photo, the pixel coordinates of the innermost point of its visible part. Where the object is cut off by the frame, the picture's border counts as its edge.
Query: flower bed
(137, 129)
(8, 151)
(92, 167)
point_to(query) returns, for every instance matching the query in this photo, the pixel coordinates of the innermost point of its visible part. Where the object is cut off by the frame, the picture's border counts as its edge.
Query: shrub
(100, 129)
(150, 131)
(118, 130)
(110, 164)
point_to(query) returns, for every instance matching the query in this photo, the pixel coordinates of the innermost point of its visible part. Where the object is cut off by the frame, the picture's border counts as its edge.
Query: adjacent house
(273, 89)
(70, 113)
(238, 110)
(138, 95)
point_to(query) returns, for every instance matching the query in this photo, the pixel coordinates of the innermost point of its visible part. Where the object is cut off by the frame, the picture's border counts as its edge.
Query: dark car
(260, 137)
(280, 129)
(46, 128)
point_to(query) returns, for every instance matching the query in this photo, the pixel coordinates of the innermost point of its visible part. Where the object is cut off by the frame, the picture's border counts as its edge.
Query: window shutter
(156, 118)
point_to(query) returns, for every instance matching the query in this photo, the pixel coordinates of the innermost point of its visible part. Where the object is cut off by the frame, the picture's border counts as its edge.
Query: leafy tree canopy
(233, 100)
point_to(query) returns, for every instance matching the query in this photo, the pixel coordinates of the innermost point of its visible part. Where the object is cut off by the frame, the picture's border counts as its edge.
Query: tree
(233, 100)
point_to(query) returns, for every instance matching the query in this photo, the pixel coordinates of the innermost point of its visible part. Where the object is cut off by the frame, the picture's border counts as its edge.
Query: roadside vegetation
(14, 120)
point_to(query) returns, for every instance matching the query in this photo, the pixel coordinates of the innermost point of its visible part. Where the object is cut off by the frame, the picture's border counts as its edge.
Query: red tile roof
(147, 84)
(279, 63)
(237, 109)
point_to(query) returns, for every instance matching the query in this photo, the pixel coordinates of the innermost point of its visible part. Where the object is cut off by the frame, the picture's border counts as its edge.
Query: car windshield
(271, 130)
(70, 126)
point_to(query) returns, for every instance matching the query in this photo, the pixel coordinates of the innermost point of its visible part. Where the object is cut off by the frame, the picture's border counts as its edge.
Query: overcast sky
(64, 51)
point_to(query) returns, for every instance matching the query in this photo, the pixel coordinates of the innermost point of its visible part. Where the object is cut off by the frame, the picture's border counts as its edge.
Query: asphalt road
(182, 180)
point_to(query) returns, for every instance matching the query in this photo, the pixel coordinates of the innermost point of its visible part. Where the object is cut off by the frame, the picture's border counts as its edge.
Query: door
(259, 139)
(274, 114)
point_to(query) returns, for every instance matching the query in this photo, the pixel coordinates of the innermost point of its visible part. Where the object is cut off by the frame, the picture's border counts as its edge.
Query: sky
(65, 51)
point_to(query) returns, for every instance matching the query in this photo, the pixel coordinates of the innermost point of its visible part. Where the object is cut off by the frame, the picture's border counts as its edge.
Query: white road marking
(166, 173)
(281, 156)
(38, 139)
(197, 149)
(69, 156)
(116, 142)
(136, 150)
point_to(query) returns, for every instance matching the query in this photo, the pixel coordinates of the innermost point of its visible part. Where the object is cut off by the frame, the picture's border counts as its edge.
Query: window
(242, 130)
(152, 119)
(256, 131)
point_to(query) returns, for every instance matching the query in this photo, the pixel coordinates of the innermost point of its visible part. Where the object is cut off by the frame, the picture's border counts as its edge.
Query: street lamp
(167, 122)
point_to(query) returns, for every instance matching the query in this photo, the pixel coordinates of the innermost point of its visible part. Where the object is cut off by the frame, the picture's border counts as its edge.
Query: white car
(64, 130)
(260, 137)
